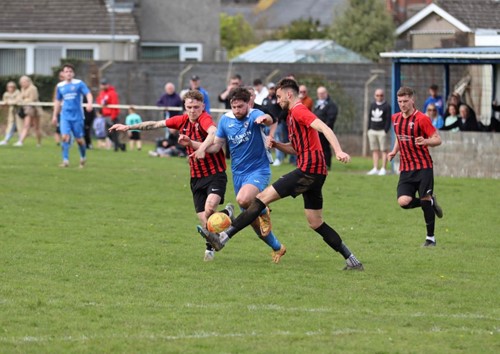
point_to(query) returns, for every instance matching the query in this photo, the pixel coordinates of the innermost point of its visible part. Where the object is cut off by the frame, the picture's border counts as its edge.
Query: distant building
(36, 35)
(300, 51)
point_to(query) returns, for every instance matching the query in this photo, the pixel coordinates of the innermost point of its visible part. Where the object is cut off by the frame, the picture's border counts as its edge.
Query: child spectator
(169, 147)
(100, 131)
(134, 135)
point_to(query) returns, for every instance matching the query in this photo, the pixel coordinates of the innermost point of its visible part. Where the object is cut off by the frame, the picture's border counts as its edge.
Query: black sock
(332, 238)
(429, 216)
(415, 203)
(246, 217)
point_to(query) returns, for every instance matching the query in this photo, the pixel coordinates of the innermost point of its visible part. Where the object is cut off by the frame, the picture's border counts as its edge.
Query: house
(452, 23)
(36, 35)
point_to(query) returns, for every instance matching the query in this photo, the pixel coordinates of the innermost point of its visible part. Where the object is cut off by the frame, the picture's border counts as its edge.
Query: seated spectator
(169, 147)
(436, 119)
(451, 119)
(466, 122)
(495, 118)
(435, 99)
(170, 99)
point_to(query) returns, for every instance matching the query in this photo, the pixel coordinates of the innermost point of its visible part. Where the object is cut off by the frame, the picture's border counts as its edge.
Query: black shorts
(135, 135)
(412, 181)
(298, 182)
(202, 187)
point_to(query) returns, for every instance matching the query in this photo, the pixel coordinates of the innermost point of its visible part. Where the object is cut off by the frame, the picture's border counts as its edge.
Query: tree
(236, 34)
(302, 29)
(365, 27)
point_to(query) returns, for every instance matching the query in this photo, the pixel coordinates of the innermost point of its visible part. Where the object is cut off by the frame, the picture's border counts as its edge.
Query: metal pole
(112, 3)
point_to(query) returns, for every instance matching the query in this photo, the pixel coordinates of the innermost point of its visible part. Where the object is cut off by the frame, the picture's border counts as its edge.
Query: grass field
(106, 259)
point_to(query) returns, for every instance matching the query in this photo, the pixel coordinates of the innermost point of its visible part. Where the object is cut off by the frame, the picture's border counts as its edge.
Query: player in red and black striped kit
(307, 179)
(208, 171)
(415, 133)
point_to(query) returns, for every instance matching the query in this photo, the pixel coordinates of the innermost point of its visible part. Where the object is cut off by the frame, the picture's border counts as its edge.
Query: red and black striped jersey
(197, 131)
(305, 140)
(412, 156)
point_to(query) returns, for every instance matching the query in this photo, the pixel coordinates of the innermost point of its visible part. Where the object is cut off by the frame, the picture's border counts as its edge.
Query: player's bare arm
(149, 125)
(57, 109)
(287, 148)
(90, 99)
(200, 152)
(434, 140)
(321, 127)
(394, 151)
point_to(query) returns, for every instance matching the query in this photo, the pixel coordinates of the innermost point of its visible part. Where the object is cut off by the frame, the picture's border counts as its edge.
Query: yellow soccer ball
(218, 222)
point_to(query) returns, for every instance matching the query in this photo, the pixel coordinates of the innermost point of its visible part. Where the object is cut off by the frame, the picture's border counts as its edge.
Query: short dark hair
(257, 82)
(288, 84)
(68, 65)
(405, 91)
(239, 93)
(434, 87)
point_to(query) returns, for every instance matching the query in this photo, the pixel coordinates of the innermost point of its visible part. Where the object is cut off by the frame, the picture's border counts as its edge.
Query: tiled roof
(63, 17)
(484, 14)
(301, 51)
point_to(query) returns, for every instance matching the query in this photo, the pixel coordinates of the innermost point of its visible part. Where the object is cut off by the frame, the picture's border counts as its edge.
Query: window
(81, 54)
(172, 52)
(46, 58)
(12, 61)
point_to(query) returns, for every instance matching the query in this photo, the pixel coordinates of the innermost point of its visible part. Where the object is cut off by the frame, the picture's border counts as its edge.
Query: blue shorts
(72, 126)
(259, 179)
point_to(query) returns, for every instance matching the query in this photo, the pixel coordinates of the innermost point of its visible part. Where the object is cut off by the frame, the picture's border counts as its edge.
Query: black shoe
(429, 243)
(211, 238)
(123, 147)
(437, 209)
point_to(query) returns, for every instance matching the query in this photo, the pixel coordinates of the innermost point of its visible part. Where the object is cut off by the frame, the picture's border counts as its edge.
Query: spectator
(108, 96)
(379, 124)
(261, 91)
(32, 114)
(495, 118)
(436, 118)
(234, 82)
(304, 98)
(11, 98)
(326, 110)
(170, 99)
(466, 122)
(434, 98)
(452, 118)
(168, 147)
(101, 131)
(134, 135)
(195, 84)
(457, 100)
(277, 131)
(68, 102)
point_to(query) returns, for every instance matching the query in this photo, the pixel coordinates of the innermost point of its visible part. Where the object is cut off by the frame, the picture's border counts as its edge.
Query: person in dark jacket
(326, 110)
(170, 99)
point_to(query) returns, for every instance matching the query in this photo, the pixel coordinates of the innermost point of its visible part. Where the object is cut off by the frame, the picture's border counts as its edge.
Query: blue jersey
(71, 93)
(246, 141)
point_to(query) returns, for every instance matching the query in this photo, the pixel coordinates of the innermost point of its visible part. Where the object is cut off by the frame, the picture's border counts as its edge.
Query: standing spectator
(451, 119)
(434, 98)
(249, 159)
(261, 91)
(436, 118)
(208, 171)
(304, 97)
(100, 131)
(32, 114)
(108, 96)
(134, 135)
(11, 98)
(87, 125)
(170, 99)
(415, 134)
(326, 110)
(307, 179)
(379, 123)
(277, 131)
(234, 82)
(71, 92)
(195, 84)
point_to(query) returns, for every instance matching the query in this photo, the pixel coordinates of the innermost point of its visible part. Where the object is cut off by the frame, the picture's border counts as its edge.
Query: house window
(46, 58)
(172, 52)
(80, 54)
(12, 61)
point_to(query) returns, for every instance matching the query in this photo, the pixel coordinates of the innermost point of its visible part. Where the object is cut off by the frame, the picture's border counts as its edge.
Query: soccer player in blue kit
(242, 128)
(71, 92)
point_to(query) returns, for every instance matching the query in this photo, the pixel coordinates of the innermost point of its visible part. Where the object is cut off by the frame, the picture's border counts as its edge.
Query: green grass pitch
(107, 259)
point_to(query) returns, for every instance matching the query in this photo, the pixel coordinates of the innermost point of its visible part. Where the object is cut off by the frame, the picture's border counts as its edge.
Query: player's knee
(243, 202)
(404, 202)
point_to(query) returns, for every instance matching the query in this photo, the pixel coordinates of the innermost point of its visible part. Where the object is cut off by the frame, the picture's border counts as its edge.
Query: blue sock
(83, 150)
(65, 150)
(271, 241)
